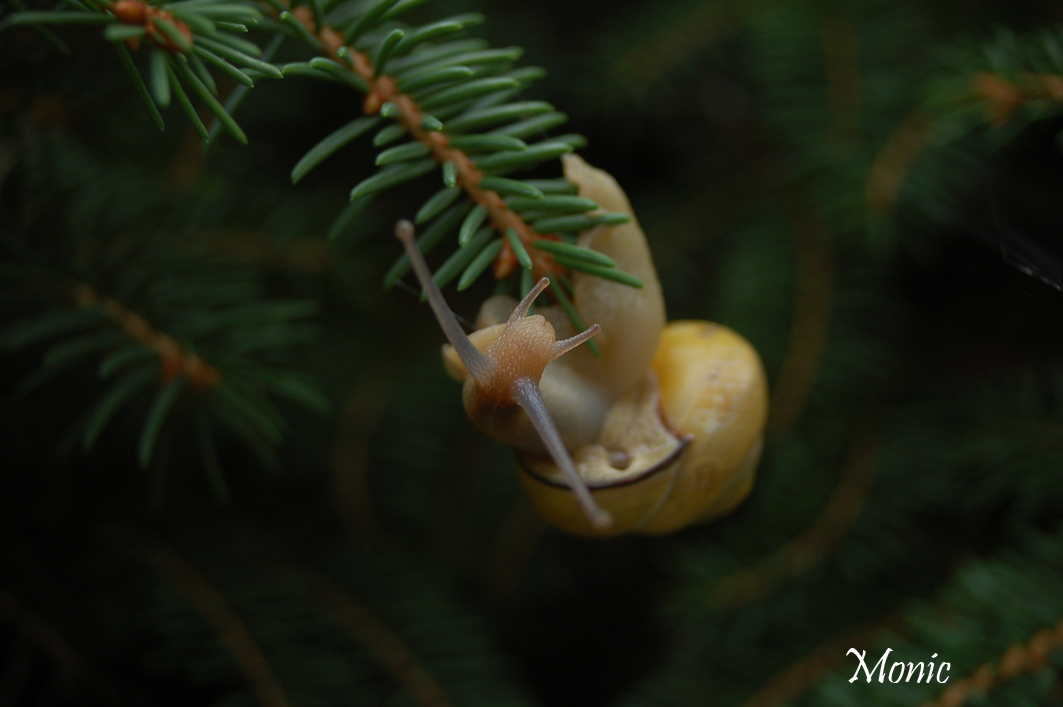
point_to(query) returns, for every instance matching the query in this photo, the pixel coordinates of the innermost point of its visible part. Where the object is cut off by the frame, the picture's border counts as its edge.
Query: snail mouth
(635, 444)
(543, 470)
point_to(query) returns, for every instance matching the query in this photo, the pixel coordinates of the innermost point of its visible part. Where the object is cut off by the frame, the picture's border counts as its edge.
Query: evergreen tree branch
(213, 607)
(384, 645)
(176, 359)
(45, 637)
(804, 673)
(841, 66)
(809, 548)
(383, 90)
(894, 160)
(349, 470)
(809, 328)
(518, 537)
(1020, 657)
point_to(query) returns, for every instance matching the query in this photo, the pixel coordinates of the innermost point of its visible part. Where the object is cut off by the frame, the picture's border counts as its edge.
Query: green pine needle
(208, 452)
(117, 33)
(385, 51)
(292, 22)
(120, 393)
(606, 273)
(510, 187)
(574, 252)
(572, 314)
(484, 117)
(331, 145)
(116, 361)
(450, 173)
(436, 30)
(435, 232)
(401, 153)
(200, 70)
(392, 175)
(432, 77)
(235, 43)
(216, 108)
(183, 43)
(479, 143)
(138, 84)
(472, 224)
(570, 204)
(479, 264)
(183, 100)
(539, 152)
(238, 57)
(437, 203)
(368, 20)
(461, 258)
(157, 415)
(466, 90)
(160, 81)
(60, 17)
(238, 75)
(389, 134)
(518, 249)
(197, 22)
(533, 126)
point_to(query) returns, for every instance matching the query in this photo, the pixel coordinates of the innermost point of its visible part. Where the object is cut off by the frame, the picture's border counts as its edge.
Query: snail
(663, 430)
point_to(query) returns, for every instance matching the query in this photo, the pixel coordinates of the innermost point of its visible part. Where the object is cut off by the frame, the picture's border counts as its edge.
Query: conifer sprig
(204, 369)
(439, 95)
(183, 38)
(1005, 83)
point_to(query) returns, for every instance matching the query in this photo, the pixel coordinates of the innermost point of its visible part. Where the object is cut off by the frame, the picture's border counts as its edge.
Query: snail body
(663, 430)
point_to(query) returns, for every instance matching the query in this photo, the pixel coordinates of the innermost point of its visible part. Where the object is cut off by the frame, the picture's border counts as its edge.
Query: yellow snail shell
(664, 429)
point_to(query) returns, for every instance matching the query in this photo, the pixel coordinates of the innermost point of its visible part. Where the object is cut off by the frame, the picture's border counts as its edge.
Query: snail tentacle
(528, 397)
(521, 310)
(479, 365)
(510, 369)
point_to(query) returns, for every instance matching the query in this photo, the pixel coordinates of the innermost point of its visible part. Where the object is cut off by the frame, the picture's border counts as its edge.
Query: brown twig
(44, 637)
(383, 89)
(142, 14)
(386, 646)
(349, 468)
(894, 160)
(806, 672)
(1004, 96)
(1019, 658)
(516, 539)
(841, 60)
(213, 607)
(809, 329)
(175, 359)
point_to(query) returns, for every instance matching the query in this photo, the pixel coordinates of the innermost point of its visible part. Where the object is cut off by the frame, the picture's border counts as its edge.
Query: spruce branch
(1021, 657)
(46, 638)
(383, 644)
(809, 548)
(420, 91)
(181, 36)
(203, 367)
(810, 326)
(384, 90)
(211, 604)
(175, 359)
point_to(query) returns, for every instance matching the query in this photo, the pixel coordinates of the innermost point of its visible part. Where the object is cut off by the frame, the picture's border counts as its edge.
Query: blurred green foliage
(830, 179)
